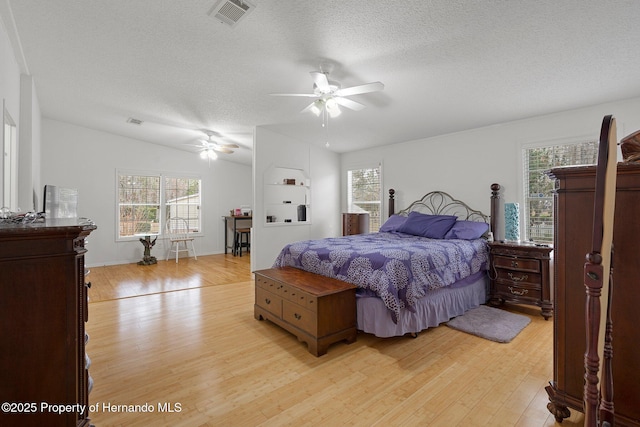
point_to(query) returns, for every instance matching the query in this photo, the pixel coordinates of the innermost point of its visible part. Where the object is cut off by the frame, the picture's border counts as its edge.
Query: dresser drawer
(300, 317)
(295, 295)
(518, 277)
(514, 263)
(520, 291)
(269, 301)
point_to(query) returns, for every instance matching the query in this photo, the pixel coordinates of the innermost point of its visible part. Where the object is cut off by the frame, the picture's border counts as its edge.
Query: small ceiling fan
(330, 95)
(209, 148)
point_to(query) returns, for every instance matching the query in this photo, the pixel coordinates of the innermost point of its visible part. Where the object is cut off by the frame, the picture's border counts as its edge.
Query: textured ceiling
(447, 65)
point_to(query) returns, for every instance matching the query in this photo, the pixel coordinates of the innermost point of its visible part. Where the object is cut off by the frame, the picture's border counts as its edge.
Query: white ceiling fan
(330, 95)
(209, 148)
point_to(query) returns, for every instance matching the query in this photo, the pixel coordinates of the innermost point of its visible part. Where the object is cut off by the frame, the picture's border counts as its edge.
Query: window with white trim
(146, 201)
(364, 194)
(538, 187)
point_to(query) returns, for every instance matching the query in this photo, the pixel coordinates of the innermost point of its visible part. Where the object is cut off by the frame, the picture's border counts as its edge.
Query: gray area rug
(490, 323)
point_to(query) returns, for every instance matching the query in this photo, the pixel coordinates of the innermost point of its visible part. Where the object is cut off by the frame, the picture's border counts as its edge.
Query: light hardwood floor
(190, 343)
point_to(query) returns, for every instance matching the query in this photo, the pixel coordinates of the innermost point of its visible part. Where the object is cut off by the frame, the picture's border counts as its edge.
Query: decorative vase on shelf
(511, 222)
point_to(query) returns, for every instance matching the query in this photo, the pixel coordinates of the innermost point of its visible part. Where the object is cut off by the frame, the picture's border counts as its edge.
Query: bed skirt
(438, 306)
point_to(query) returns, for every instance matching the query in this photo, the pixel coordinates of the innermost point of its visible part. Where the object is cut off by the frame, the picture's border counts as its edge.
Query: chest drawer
(515, 263)
(269, 301)
(297, 296)
(300, 317)
(268, 284)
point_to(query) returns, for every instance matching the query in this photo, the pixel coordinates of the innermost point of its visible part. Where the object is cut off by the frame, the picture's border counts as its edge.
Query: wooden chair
(598, 280)
(179, 236)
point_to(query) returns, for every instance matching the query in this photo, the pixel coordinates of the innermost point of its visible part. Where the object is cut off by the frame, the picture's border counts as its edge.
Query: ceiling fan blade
(307, 95)
(227, 145)
(356, 90)
(353, 105)
(221, 149)
(307, 108)
(321, 81)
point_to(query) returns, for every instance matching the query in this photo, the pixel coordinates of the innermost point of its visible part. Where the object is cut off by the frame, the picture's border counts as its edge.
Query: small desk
(233, 222)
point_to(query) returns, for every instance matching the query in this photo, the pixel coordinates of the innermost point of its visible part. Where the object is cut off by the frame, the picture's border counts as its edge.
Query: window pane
(182, 197)
(364, 191)
(139, 205)
(539, 187)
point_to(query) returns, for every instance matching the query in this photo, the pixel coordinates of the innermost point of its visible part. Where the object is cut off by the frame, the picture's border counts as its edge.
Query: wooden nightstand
(520, 274)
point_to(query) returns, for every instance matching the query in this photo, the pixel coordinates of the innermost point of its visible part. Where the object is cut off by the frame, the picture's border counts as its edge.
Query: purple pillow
(433, 226)
(467, 230)
(393, 223)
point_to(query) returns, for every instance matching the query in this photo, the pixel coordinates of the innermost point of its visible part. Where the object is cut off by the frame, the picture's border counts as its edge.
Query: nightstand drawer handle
(297, 316)
(518, 278)
(514, 263)
(267, 300)
(519, 292)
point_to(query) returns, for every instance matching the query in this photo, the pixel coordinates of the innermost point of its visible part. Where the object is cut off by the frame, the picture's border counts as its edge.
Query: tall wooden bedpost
(392, 202)
(495, 207)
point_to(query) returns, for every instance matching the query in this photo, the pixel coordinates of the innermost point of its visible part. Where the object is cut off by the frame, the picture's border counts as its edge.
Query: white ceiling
(447, 65)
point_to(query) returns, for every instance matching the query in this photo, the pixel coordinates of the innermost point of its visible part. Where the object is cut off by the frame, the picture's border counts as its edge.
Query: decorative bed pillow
(467, 230)
(433, 226)
(393, 223)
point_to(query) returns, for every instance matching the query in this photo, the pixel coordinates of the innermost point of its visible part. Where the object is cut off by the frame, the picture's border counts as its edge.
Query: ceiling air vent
(230, 11)
(134, 121)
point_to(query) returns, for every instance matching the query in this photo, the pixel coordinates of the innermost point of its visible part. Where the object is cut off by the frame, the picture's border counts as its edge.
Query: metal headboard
(441, 203)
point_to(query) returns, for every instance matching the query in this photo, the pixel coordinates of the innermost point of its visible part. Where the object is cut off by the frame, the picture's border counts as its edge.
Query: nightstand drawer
(518, 277)
(514, 263)
(300, 317)
(520, 291)
(269, 301)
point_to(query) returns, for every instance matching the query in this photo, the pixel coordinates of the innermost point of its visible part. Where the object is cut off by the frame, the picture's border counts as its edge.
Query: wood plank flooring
(188, 352)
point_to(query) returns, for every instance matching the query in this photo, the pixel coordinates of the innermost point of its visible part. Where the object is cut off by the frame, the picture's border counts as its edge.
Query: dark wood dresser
(318, 310)
(574, 199)
(355, 223)
(520, 274)
(43, 310)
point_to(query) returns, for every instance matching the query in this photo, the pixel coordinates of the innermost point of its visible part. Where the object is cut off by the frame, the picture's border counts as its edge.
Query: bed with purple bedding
(396, 267)
(427, 264)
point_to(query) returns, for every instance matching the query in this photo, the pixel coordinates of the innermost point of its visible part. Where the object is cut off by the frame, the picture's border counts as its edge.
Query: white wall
(465, 164)
(29, 147)
(9, 89)
(273, 149)
(87, 159)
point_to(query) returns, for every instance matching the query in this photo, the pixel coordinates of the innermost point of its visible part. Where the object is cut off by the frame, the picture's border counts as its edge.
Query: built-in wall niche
(287, 196)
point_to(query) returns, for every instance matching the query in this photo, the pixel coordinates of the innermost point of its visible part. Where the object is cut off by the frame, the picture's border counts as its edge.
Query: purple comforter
(399, 268)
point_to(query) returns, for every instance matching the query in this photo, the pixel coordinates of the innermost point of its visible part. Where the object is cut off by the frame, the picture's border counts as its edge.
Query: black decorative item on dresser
(573, 217)
(355, 223)
(520, 274)
(43, 310)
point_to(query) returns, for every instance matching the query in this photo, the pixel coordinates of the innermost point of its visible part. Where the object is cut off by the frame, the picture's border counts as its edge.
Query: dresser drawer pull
(297, 316)
(514, 263)
(519, 292)
(267, 300)
(518, 278)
